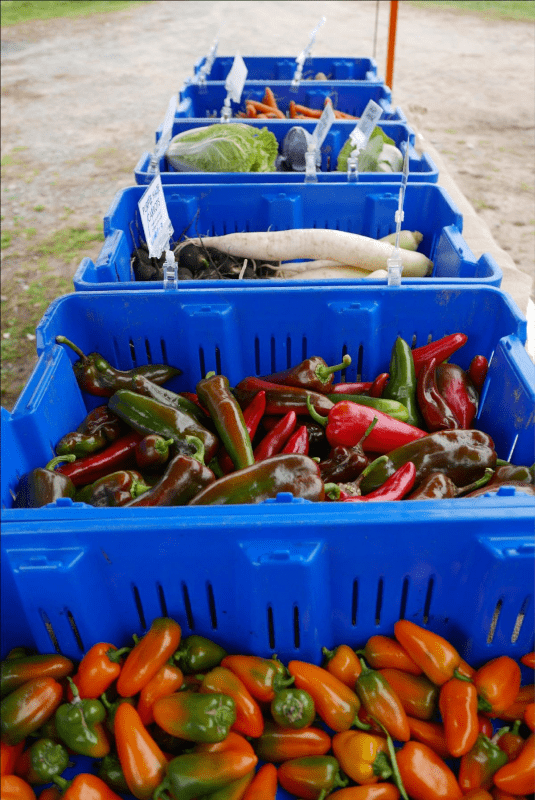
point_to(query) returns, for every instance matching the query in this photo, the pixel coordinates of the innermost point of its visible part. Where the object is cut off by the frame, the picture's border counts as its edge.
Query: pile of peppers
(169, 717)
(407, 435)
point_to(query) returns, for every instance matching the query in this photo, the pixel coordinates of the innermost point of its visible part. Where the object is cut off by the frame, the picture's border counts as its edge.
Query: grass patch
(15, 11)
(494, 9)
(6, 239)
(68, 242)
(21, 313)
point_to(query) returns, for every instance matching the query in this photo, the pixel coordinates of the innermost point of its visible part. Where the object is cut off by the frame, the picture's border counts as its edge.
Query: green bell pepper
(79, 725)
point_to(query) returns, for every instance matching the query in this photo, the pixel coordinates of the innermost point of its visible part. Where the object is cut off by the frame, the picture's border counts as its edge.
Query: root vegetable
(350, 249)
(408, 240)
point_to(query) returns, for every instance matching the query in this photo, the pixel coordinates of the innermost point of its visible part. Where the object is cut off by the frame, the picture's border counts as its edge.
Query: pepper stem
(195, 442)
(138, 487)
(63, 783)
(64, 340)
(74, 690)
(323, 372)
(314, 414)
(477, 484)
(394, 763)
(116, 655)
(209, 375)
(58, 459)
(368, 430)
(332, 490)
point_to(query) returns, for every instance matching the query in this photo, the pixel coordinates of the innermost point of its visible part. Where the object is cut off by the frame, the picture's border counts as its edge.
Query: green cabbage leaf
(224, 147)
(379, 155)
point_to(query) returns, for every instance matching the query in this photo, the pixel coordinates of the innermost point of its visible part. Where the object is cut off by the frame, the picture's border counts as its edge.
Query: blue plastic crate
(282, 68)
(351, 98)
(259, 330)
(421, 167)
(364, 208)
(287, 576)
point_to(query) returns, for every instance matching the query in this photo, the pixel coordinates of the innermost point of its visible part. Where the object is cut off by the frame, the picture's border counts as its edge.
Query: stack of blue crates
(286, 576)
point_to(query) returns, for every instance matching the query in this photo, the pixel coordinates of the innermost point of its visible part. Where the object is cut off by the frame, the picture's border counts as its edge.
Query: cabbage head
(223, 147)
(379, 155)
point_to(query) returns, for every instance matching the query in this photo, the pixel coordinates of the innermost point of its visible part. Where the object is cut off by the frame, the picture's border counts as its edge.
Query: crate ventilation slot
(49, 630)
(379, 601)
(164, 351)
(520, 620)
(355, 602)
(149, 354)
(271, 628)
(132, 352)
(211, 605)
(494, 621)
(161, 598)
(76, 632)
(139, 607)
(297, 632)
(404, 595)
(428, 598)
(187, 606)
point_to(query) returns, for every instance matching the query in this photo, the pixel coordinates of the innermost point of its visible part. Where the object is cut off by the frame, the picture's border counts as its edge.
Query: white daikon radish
(408, 240)
(341, 272)
(317, 243)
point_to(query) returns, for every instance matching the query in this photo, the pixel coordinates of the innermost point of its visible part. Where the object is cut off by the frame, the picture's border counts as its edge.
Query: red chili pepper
(479, 366)
(436, 412)
(263, 785)
(383, 652)
(394, 488)
(347, 422)
(148, 655)
(359, 387)
(298, 442)
(518, 776)
(97, 670)
(429, 733)
(458, 391)
(281, 399)
(167, 680)
(252, 415)
(497, 683)
(274, 441)
(337, 705)
(528, 660)
(434, 654)
(143, 763)
(119, 454)
(249, 719)
(376, 389)
(441, 349)
(425, 775)
(312, 373)
(458, 708)
(343, 663)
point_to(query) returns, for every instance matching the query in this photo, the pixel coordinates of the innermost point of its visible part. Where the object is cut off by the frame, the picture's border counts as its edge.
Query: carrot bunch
(268, 108)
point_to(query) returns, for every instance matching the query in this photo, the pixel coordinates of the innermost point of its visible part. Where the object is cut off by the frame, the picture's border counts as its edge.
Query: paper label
(369, 118)
(155, 218)
(236, 79)
(167, 127)
(322, 128)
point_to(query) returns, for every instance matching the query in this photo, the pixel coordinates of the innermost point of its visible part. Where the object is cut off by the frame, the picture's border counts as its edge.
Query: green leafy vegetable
(379, 155)
(225, 147)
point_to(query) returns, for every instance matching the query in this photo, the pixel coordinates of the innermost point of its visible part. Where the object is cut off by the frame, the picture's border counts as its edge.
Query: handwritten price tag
(155, 218)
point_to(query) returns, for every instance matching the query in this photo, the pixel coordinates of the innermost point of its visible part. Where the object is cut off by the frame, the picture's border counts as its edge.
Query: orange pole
(391, 43)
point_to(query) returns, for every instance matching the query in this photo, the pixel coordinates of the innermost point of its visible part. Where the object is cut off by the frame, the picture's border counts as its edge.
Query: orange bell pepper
(148, 655)
(282, 744)
(518, 776)
(249, 719)
(343, 663)
(85, 786)
(167, 680)
(336, 703)
(458, 707)
(383, 652)
(429, 733)
(375, 791)
(262, 677)
(418, 695)
(525, 696)
(14, 788)
(425, 775)
(362, 756)
(529, 716)
(434, 654)
(143, 763)
(97, 670)
(264, 784)
(497, 683)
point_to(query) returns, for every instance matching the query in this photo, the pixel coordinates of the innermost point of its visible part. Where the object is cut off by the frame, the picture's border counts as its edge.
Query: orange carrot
(269, 99)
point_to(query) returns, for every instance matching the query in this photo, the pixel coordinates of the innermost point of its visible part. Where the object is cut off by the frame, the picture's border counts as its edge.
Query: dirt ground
(81, 99)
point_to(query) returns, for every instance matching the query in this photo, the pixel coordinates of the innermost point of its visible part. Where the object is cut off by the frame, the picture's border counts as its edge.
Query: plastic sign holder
(318, 136)
(303, 55)
(394, 264)
(207, 66)
(158, 229)
(360, 135)
(234, 86)
(165, 138)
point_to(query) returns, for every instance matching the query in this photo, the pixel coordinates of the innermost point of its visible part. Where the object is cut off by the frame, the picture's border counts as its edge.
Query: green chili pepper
(402, 383)
(79, 724)
(293, 708)
(96, 376)
(480, 763)
(111, 772)
(462, 455)
(192, 775)
(43, 485)
(215, 395)
(42, 760)
(198, 654)
(147, 415)
(392, 407)
(196, 717)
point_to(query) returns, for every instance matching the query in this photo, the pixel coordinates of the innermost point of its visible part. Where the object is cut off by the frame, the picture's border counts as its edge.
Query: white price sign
(323, 127)
(167, 128)
(155, 218)
(367, 122)
(236, 79)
